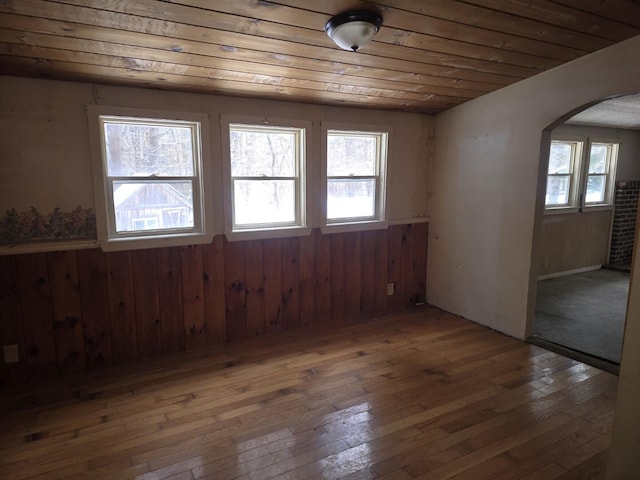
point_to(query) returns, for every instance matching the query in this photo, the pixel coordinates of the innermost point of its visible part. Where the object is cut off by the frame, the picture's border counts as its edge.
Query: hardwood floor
(423, 394)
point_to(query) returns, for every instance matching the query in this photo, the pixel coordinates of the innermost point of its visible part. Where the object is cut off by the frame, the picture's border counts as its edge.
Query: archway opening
(588, 185)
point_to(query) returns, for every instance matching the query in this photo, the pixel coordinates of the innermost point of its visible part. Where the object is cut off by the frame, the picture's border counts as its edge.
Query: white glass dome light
(351, 30)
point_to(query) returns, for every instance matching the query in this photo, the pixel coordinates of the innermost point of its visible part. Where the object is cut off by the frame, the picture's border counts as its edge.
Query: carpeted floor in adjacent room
(584, 312)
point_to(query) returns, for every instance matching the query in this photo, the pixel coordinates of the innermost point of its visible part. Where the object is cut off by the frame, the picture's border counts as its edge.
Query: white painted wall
(486, 202)
(44, 141)
(630, 152)
(485, 184)
(624, 452)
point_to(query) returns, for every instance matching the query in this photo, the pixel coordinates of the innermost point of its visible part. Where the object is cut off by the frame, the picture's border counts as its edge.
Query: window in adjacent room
(563, 173)
(355, 176)
(600, 173)
(149, 179)
(266, 167)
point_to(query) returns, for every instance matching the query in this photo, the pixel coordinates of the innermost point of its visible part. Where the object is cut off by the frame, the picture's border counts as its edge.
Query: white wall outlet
(10, 353)
(391, 288)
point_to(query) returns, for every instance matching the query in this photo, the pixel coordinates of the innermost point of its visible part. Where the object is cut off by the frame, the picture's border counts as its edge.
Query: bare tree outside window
(265, 175)
(354, 162)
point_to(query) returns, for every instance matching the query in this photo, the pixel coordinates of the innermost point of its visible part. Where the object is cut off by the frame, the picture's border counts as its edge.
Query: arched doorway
(583, 245)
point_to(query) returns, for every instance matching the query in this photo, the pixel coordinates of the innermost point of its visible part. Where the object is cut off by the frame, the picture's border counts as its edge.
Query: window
(266, 167)
(148, 178)
(355, 176)
(564, 162)
(600, 173)
(578, 177)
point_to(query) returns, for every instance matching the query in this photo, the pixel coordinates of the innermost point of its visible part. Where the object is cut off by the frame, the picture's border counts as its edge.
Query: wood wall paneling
(338, 277)
(367, 271)
(94, 296)
(193, 297)
(420, 241)
(236, 290)
(145, 287)
(214, 291)
(290, 284)
(11, 322)
(307, 281)
(272, 251)
(380, 270)
(76, 310)
(394, 266)
(323, 278)
(67, 311)
(254, 274)
(170, 308)
(353, 275)
(574, 240)
(37, 316)
(124, 344)
(406, 285)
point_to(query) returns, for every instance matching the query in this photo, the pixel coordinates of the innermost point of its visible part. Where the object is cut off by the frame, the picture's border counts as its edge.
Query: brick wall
(624, 222)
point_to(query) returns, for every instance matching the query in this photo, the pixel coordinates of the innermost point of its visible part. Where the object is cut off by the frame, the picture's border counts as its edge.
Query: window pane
(137, 149)
(598, 158)
(351, 198)
(351, 155)
(142, 206)
(596, 185)
(264, 201)
(560, 157)
(558, 190)
(262, 153)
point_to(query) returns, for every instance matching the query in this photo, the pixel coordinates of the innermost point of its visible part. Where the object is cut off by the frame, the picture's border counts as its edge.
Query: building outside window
(149, 178)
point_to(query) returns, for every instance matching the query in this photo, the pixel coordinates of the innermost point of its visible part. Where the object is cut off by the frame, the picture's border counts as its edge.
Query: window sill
(267, 233)
(139, 243)
(355, 226)
(560, 210)
(597, 208)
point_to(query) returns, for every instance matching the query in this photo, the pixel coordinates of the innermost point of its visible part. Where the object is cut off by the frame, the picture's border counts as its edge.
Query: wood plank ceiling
(427, 57)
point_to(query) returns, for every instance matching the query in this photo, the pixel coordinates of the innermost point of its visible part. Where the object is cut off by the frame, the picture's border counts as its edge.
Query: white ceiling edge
(620, 112)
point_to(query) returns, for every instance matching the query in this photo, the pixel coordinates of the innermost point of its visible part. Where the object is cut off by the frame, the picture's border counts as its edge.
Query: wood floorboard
(420, 394)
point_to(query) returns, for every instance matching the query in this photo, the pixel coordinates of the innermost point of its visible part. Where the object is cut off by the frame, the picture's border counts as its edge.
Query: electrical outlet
(391, 288)
(10, 353)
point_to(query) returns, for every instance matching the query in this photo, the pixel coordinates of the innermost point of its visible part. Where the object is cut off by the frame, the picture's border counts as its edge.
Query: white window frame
(613, 150)
(382, 133)
(577, 151)
(108, 238)
(580, 175)
(298, 227)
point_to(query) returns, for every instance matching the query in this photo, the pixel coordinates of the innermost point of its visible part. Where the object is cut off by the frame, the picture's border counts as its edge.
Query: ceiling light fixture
(351, 30)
